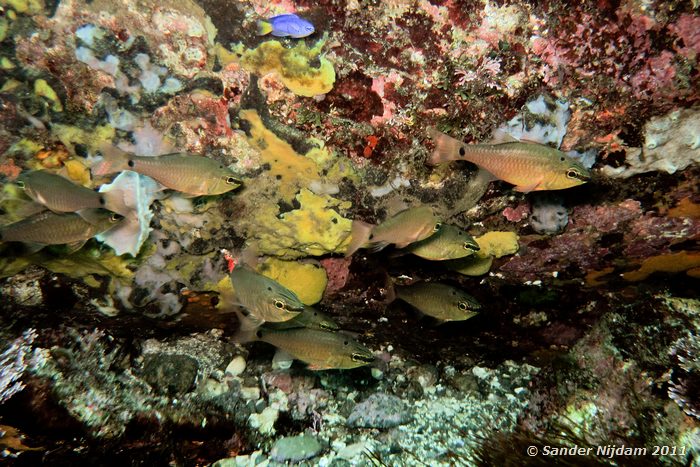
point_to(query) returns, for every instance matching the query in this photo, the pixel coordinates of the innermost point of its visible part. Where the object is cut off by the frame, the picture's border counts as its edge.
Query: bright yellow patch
(497, 244)
(673, 263)
(42, 89)
(77, 171)
(93, 139)
(315, 229)
(293, 170)
(292, 65)
(306, 280)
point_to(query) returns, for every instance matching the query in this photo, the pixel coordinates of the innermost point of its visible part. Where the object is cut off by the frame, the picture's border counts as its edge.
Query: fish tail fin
(264, 27)
(111, 162)
(359, 235)
(446, 147)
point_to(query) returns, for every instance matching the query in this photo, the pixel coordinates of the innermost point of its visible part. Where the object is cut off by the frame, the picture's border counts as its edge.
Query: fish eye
(279, 304)
(571, 173)
(466, 246)
(114, 217)
(345, 343)
(463, 306)
(21, 184)
(437, 227)
(231, 181)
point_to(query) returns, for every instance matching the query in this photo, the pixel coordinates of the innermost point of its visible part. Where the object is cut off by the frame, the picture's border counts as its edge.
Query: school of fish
(71, 214)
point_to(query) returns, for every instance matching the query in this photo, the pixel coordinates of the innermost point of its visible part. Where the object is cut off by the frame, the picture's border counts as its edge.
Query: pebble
(236, 367)
(295, 448)
(380, 411)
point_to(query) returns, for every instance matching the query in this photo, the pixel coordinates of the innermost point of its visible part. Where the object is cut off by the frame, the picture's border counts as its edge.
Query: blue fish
(287, 25)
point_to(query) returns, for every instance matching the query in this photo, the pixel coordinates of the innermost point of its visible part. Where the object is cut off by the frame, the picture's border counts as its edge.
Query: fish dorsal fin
(501, 137)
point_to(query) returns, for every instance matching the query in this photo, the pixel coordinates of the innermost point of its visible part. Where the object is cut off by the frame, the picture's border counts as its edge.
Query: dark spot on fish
(259, 334)
(334, 220)
(461, 152)
(214, 301)
(278, 177)
(269, 288)
(562, 158)
(130, 163)
(345, 343)
(371, 236)
(102, 200)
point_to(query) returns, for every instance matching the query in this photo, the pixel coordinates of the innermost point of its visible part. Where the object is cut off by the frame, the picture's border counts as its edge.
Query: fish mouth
(357, 357)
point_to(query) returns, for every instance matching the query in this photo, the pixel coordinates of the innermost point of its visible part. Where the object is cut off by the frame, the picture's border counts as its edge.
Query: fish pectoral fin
(282, 360)
(377, 246)
(75, 246)
(528, 188)
(31, 247)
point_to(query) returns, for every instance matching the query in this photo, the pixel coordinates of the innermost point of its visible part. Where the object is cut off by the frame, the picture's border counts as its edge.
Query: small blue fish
(285, 25)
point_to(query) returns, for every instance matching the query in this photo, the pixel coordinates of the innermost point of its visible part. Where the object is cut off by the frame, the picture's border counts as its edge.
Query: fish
(310, 318)
(449, 242)
(50, 228)
(286, 25)
(57, 193)
(529, 166)
(441, 301)
(265, 299)
(320, 350)
(183, 172)
(408, 226)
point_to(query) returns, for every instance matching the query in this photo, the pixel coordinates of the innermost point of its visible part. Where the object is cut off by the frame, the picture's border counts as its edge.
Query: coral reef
(127, 350)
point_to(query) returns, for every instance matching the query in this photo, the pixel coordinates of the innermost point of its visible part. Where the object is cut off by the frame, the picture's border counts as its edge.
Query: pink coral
(687, 30)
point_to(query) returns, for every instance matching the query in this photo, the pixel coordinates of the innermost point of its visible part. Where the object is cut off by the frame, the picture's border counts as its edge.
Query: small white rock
(236, 366)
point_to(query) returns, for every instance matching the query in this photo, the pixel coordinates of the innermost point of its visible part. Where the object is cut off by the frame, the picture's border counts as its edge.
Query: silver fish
(440, 301)
(265, 299)
(57, 193)
(321, 350)
(49, 228)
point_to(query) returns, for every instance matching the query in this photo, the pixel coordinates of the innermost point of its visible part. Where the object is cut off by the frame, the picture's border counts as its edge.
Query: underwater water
(339, 233)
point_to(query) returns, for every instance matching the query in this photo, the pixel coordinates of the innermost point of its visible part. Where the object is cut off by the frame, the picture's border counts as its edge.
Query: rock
(236, 366)
(295, 448)
(170, 373)
(379, 411)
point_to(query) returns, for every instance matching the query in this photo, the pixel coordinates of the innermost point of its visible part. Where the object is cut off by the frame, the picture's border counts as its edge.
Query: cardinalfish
(408, 226)
(265, 299)
(528, 166)
(186, 173)
(449, 242)
(441, 301)
(57, 193)
(321, 350)
(310, 318)
(49, 228)
(286, 25)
